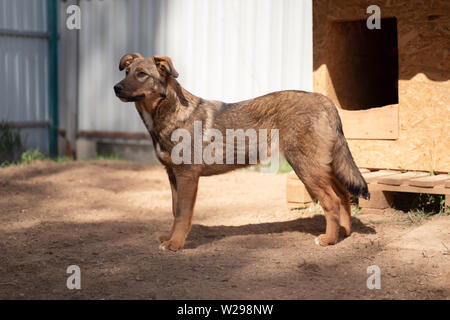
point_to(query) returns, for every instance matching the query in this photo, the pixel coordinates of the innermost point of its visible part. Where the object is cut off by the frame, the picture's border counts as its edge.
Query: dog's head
(145, 77)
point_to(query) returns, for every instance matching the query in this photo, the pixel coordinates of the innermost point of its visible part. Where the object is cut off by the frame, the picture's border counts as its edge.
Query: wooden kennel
(391, 85)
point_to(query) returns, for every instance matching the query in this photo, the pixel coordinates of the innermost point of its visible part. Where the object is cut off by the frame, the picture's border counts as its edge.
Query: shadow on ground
(201, 234)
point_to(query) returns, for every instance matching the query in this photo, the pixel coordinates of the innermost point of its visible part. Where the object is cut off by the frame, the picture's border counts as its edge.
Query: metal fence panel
(24, 68)
(226, 50)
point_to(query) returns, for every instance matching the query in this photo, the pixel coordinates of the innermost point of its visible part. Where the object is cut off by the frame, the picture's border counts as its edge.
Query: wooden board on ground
(430, 181)
(372, 176)
(447, 184)
(402, 178)
(440, 189)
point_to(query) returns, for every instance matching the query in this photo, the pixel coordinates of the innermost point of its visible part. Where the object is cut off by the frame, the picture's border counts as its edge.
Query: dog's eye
(141, 74)
(127, 72)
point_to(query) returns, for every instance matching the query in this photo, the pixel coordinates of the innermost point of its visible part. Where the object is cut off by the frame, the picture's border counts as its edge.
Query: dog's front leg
(173, 187)
(186, 187)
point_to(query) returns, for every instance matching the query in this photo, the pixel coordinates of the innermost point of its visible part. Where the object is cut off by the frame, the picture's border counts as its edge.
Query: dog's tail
(345, 168)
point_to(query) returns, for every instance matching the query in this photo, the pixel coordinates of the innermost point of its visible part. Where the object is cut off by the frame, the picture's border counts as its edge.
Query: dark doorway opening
(363, 63)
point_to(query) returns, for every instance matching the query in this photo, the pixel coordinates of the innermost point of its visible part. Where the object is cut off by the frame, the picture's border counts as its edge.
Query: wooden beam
(430, 181)
(402, 178)
(371, 124)
(407, 188)
(372, 176)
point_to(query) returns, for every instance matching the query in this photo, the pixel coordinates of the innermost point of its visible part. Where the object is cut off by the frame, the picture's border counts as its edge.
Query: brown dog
(310, 137)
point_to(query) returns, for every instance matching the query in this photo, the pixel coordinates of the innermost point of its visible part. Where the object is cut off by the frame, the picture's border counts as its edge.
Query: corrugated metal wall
(226, 50)
(24, 68)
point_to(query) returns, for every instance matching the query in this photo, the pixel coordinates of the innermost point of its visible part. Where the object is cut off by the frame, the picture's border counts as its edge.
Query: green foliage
(284, 166)
(10, 145)
(426, 205)
(355, 210)
(62, 159)
(417, 216)
(432, 203)
(32, 155)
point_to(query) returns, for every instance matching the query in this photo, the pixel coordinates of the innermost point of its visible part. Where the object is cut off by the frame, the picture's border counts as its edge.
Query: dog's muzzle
(118, 89)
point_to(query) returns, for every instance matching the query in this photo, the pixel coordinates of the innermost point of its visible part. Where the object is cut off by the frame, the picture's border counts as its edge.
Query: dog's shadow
(315, 225)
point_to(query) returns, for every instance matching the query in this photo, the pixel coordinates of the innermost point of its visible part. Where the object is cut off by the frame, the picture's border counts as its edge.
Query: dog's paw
(164, 237)
(172, 245)
(323, 241)
(345, 232)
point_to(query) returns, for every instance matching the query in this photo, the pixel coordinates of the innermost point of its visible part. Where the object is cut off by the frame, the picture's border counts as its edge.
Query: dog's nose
(118, 88)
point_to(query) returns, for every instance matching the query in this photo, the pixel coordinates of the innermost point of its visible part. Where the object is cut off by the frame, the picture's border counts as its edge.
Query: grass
(283, 166)
(10, 145)
(356, 210)
(429, 203)
(424, 206)
(32, 155)
(417, 216)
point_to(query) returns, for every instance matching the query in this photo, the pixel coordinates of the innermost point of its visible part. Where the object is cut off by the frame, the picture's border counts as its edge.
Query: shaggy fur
(310, 137)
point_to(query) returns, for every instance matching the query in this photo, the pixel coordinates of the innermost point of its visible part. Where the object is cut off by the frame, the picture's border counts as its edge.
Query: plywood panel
(377, 123)
(423, 141)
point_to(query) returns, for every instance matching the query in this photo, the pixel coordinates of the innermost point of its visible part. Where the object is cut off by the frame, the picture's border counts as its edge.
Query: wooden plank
(372, 176)
(402, 178)
(430, 181)
(375, 123)
(364, 170)
(407, 188)
(447, 184)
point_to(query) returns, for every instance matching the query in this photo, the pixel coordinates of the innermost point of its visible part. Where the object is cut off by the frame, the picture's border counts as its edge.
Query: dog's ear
(128, 59)
(165, 66)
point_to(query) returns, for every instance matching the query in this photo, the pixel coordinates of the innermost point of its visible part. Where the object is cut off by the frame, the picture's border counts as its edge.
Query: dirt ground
(106, 217)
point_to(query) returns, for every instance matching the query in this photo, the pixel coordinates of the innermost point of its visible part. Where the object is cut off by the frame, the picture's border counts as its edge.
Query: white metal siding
(29, 15)
(227, 50)
(24, 68)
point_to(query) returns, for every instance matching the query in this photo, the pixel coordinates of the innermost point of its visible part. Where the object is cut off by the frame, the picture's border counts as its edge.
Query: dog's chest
(148, 120)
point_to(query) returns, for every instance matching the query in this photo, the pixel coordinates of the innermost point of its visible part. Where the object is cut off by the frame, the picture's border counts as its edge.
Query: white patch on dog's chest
(148, 120)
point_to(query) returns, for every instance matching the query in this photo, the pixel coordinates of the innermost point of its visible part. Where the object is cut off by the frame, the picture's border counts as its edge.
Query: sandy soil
(106, 217)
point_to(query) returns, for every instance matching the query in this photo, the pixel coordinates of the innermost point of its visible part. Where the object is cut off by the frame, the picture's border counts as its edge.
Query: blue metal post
(52, 16)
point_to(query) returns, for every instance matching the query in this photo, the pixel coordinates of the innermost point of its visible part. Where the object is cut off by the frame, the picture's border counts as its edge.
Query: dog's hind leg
(318, 180)
(321, 188)
(186, 185)
(173, 187)
(345, 211)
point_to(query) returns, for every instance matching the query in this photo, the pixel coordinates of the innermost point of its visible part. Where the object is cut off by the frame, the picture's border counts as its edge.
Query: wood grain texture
(423, 141)
(373, 124)
(429, 182)
(374, 175)
(402, 178)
